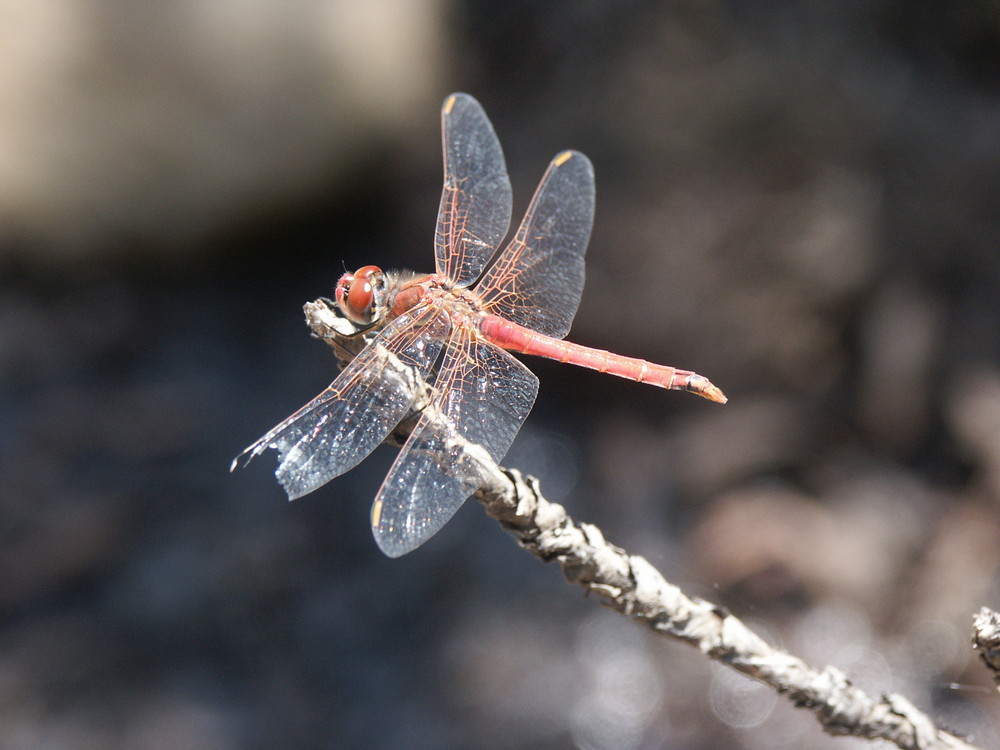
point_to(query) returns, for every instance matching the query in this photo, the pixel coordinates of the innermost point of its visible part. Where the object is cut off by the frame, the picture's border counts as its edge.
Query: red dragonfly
(450, 329)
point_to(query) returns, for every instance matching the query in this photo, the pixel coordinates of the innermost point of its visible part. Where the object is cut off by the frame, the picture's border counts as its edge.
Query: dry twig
(631, 585)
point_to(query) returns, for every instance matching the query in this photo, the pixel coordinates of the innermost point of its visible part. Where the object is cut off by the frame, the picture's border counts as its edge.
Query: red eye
(359, 297)
(356, 294)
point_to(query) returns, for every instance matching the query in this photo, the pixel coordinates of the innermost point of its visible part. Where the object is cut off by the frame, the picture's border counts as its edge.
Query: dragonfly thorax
(406, 290)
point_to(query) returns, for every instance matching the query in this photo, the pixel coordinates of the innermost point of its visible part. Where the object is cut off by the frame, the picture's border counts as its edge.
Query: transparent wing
(476, 200)
(339, 428)
(484, 396)
(537, 280)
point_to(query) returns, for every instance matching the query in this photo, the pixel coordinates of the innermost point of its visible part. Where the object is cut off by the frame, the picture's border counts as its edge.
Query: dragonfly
(451, 331)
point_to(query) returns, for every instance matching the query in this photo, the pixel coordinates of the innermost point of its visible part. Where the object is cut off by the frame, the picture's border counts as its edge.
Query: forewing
(476, 200)
(537, 280)
(484, 395)
(336, 430)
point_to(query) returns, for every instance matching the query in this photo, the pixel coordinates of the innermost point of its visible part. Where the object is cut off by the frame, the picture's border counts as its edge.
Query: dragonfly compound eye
(356, 293)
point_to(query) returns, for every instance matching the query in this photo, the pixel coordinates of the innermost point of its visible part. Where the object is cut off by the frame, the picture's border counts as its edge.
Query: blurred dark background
(799, 200)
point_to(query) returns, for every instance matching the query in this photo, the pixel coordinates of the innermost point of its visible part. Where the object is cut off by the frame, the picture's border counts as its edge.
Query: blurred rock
(974, 418)
(132, 126)
(902, 340)
(780, 546)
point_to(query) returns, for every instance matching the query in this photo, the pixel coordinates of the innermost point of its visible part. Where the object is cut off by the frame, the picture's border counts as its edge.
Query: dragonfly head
(361, 295)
